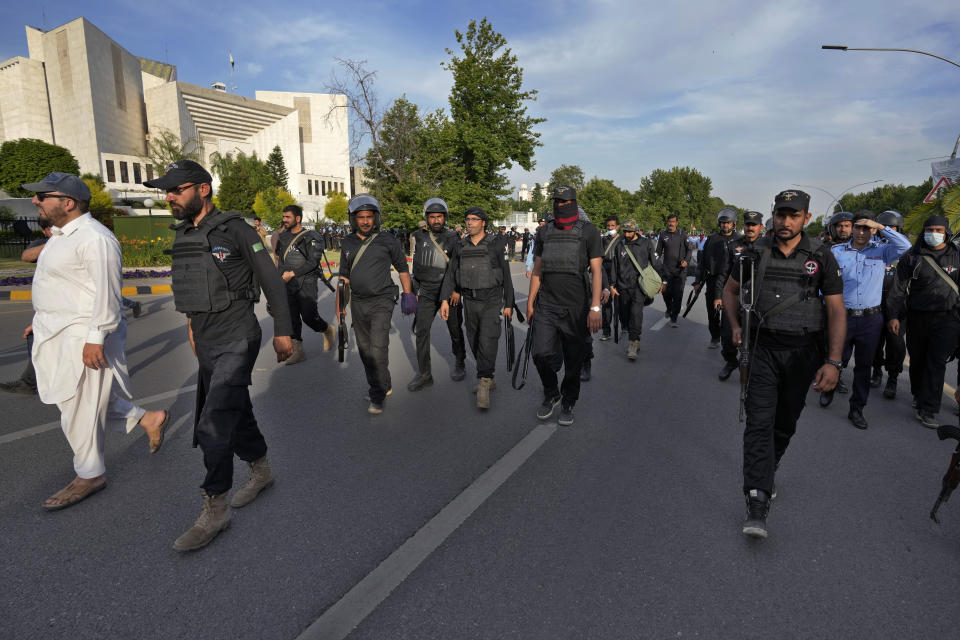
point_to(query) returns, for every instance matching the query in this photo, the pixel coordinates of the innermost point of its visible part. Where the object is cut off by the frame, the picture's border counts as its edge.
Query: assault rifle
(747, 307)
(952, 477)
(325, 277)
(343, 294)
(691, 298)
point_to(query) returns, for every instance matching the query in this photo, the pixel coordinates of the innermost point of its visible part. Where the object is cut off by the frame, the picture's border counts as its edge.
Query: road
(434, 520)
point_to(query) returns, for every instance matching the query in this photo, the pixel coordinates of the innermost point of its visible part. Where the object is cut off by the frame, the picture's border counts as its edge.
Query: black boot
(856, 418)
(890, 391)
(458, 373)
(585, 371)
(876, 378)
(826, 397)
(758, 506)
(728, 368)
(421, 381)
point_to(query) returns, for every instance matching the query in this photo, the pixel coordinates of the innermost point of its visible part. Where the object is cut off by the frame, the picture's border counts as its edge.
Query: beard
(188, 210)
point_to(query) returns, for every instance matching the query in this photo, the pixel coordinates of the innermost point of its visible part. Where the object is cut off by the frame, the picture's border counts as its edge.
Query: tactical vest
(476, 267)
(785, 279)
(562, 250)
(198, 283)
(429, 263)
(295, 258)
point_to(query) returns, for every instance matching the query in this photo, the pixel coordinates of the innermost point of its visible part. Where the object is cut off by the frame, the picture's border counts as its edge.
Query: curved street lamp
(835, 198)
(841, 47)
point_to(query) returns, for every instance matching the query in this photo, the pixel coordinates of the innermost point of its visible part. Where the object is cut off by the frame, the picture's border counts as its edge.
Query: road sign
(942, 183)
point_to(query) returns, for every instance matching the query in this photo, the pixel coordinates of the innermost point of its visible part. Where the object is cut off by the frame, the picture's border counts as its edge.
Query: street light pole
(835, 198)
(841, 47)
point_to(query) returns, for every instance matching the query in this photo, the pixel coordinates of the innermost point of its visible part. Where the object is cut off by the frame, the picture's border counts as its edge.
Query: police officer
(627, 278)
(433, 248)
(752, 229)
(892, 349)
(925, 293)
(562, 308)
(840, 227)
(674, 251)
(712, 258)
(480, 273)
(609, 239)
(365, 261)
(797, 292)
(219, 262)
(298, 255)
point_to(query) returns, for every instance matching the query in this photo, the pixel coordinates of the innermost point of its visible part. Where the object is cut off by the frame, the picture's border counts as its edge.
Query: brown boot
(328, 337)
(214, 518)
(261, 477)
(299, 355)
(483, 393)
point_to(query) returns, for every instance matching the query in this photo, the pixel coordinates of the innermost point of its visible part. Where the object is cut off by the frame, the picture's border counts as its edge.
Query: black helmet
(436, 205)
(727, 215)
(838, 217)
(363, 202)
(891, 219)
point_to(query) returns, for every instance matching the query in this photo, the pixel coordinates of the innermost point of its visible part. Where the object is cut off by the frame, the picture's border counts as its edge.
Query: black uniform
(218, 268)
(632, 299)
(303, 258)
(373, 295)
(930, 309)
(481, 274)
(560, 331)
(789, 348)
(431, 256)
(734, 248)
(892, 349)
(711, 260)
(673, 248)
(610, 272)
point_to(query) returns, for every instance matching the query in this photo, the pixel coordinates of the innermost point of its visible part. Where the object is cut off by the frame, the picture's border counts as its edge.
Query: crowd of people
(786, 309)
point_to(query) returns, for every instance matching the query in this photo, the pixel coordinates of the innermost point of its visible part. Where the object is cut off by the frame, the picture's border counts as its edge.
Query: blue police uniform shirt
(863, 269)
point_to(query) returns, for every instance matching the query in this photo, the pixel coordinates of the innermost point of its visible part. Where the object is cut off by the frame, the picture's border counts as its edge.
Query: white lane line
(343, 617)
(661, 323)
(43, 428)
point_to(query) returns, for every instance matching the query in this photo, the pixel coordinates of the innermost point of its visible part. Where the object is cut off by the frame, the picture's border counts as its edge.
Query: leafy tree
(336, 207)
(680, 190)
(240, 183)
(100, 199)
(166, 147)
(269, 204)
(566, 175)
(277, 168)
(886, 198)
(601, 199)
(492, 128)
(538, 202)
(30, 160)
(947, 204)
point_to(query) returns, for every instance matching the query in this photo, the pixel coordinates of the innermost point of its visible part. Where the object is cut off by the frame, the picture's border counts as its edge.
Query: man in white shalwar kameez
(80, 334)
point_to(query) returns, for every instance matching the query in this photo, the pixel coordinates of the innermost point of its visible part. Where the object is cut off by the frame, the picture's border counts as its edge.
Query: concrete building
(525, 193)
(81, 90)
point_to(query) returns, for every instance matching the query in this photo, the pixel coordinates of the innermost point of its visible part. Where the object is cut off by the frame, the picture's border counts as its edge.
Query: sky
(739, 90)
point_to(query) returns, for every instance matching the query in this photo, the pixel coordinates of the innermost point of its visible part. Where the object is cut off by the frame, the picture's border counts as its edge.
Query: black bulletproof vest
(429, 263)
(295, 257)
(198, 284)
(790, 279)
(562, 250)
(476, 267)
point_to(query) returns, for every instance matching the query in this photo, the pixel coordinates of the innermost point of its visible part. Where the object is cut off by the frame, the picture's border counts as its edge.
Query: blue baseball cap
(66, 183)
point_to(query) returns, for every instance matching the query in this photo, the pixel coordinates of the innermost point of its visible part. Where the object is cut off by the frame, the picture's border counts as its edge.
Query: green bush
(31, 160)
(138, 252)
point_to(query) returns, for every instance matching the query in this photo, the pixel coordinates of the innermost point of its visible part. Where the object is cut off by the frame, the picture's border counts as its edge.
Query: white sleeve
(101, 258)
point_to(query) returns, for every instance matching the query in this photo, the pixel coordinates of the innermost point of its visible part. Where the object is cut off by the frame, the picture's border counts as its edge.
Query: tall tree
(166, 147)
(493, 130)
(240, 182)
(269, 204)
(680, 190)
(567, 175)
(538, 202)
(31, 160)
(277, 169)
(888, 197)
(601, 199)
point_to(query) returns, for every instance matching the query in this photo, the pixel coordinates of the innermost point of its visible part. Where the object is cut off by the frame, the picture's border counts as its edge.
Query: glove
(408, 303)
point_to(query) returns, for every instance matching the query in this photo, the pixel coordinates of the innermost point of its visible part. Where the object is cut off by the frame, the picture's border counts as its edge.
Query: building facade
(81, 90)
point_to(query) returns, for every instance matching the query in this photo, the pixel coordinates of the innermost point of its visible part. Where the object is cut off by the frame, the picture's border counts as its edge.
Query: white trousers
(86, 416)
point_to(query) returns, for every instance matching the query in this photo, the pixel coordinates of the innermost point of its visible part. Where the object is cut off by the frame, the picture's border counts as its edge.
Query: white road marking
(343, 617)
(660, 324)
(43, 428)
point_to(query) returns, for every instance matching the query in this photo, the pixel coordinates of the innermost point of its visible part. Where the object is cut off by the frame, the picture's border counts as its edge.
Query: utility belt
(859, 313)
(479, 294)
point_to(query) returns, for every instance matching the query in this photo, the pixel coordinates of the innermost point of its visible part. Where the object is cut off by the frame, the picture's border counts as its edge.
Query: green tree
(240, 183)
(100, 199)
(601, 199)
(946, 204)
(277, 169)
(166, 147)
(336, 207)
(888, 197)
(30, 160)
(538, 202)
(680, 190)
(270, 203)
(487, 107)
(566, 175)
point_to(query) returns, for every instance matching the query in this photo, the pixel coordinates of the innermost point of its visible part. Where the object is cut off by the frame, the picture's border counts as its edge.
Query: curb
(23, 295)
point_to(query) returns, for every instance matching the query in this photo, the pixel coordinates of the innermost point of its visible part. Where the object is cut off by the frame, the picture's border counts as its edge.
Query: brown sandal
(156, 444)
(73, 495)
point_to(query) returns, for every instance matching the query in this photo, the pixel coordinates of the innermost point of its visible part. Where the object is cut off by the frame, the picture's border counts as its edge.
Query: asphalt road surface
(435, 520)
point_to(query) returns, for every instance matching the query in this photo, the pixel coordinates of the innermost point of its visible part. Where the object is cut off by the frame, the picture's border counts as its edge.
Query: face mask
(611, 232)
(932, 239)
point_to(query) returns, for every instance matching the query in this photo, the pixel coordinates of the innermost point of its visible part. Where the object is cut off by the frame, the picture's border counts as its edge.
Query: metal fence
(16, 234)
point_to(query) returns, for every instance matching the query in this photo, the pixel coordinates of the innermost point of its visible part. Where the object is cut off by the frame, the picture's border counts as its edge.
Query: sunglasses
(472, 219)
(43, 196)
(178, 190)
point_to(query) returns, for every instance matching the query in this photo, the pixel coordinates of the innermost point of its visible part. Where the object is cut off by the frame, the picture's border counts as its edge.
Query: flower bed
(140, 252)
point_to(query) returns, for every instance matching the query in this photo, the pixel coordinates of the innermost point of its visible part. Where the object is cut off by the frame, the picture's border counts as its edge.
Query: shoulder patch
(257, 246)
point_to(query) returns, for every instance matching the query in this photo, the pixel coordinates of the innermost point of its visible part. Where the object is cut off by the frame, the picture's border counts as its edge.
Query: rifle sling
(292, 243)
(942, 274)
